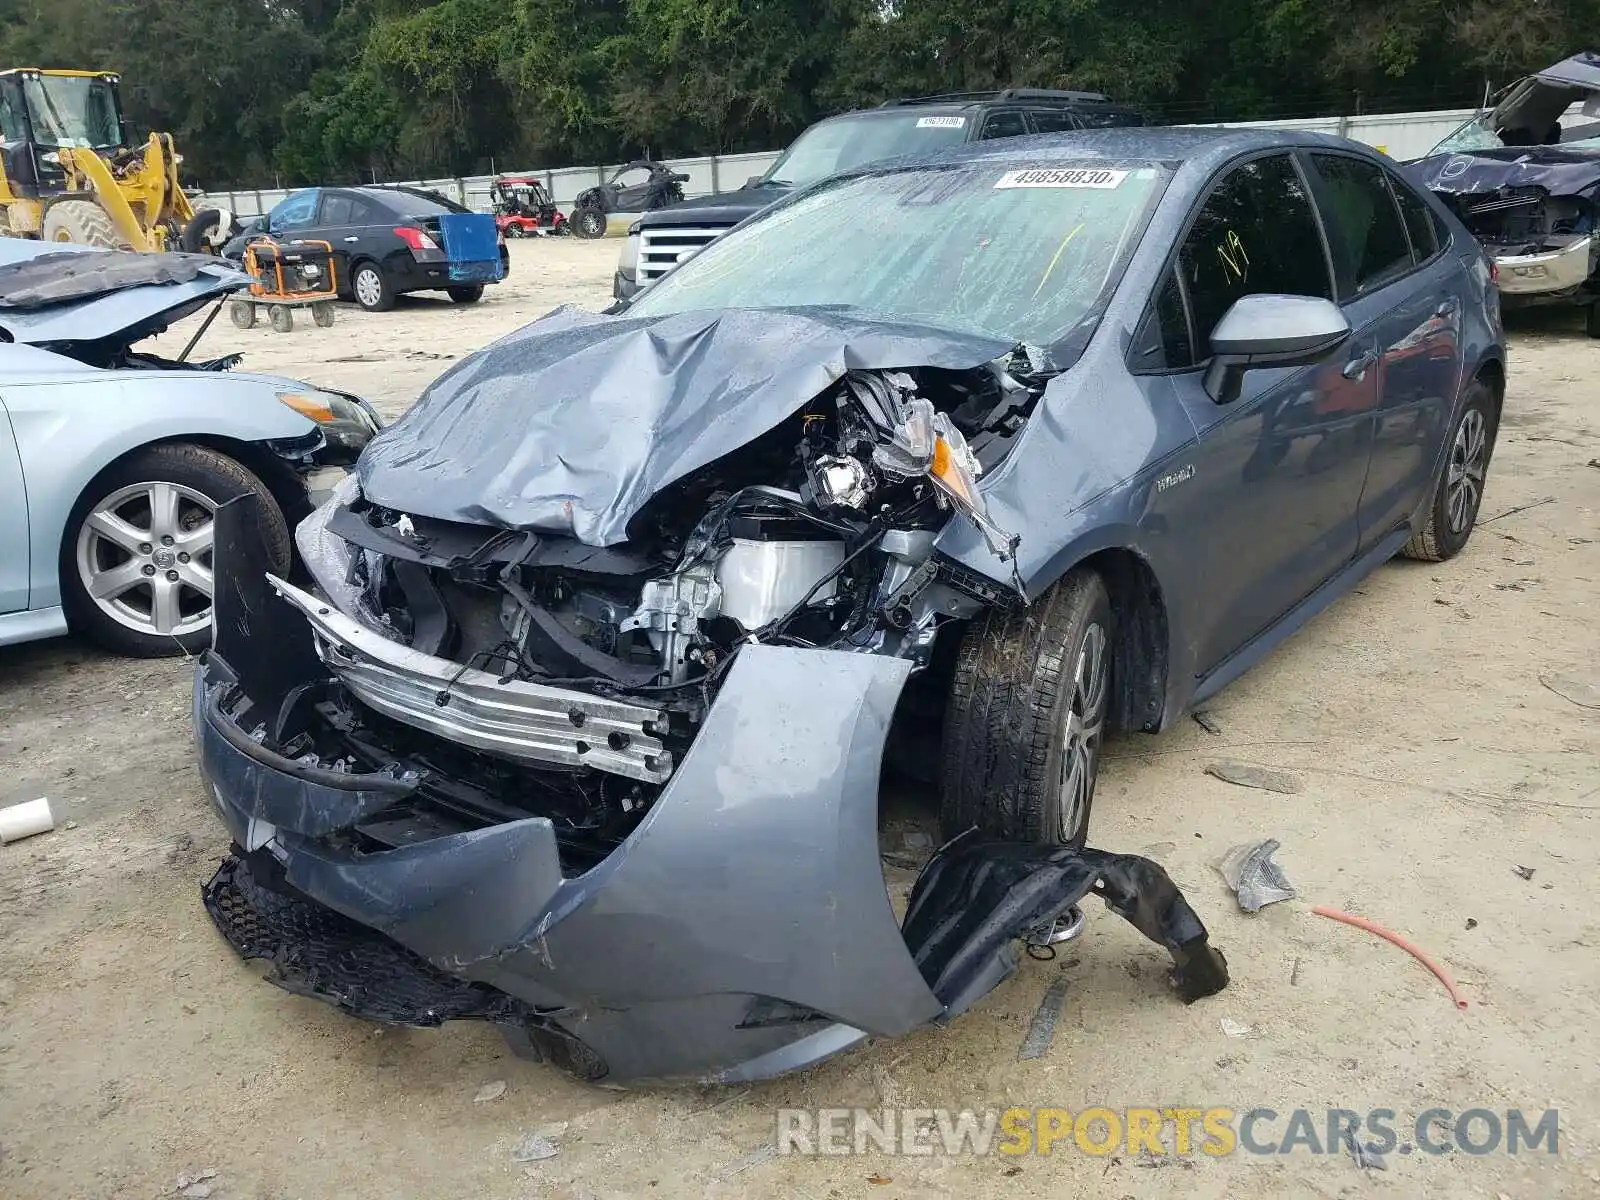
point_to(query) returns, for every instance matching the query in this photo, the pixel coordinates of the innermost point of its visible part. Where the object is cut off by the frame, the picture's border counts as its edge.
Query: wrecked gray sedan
(573, 715)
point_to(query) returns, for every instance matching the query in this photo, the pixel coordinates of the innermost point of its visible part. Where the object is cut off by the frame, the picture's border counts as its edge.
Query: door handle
(1447, 308)
(352, 239)
(1357, 366)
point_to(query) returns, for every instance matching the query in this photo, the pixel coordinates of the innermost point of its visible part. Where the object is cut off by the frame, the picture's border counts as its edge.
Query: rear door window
(1052, 120)
(1255, 233)
(336, 209)
(1366, 234)
(364, 212)
(1419, 221)
(1006, 123)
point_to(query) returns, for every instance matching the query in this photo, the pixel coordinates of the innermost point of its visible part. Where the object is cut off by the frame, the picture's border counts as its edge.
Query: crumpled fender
(977, 895)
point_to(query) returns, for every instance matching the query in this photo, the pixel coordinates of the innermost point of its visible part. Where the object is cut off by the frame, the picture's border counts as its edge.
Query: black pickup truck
(659, 239)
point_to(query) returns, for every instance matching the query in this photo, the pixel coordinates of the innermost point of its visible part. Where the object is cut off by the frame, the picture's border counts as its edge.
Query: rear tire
(465, 295)
(1591, 321)
(282, 318)
(322, 314)
(83, 223)
(243, 314)
(125, 618)
(370, 289)
(1026, 717)
(1458, 492)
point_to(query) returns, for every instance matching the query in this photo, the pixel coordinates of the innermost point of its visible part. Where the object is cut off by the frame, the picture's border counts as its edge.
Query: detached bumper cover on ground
(741, 930)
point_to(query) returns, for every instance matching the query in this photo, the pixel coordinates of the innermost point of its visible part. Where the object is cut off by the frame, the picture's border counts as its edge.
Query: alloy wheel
(369, 288)
(1086, 717)
(1468, 463)
(144, 556)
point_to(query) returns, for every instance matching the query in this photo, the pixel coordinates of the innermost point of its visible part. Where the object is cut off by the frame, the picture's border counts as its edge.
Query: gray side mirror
(753, 180)
(1270, 331)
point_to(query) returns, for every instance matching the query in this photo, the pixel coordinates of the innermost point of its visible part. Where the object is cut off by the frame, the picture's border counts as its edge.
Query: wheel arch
(1141, 650)
(275, 473)
(1492, 372)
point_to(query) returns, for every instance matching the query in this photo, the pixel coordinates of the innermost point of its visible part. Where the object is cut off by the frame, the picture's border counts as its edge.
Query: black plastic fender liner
(976, 896)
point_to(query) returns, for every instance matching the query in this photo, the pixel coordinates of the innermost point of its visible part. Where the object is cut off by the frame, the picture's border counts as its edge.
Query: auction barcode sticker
(1062, 177)
(941, 122)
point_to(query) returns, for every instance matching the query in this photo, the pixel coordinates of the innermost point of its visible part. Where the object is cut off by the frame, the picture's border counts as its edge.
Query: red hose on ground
(1335, 914)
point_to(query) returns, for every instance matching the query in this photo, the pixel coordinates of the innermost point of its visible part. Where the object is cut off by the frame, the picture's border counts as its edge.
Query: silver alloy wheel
(1085, 723)
(369, 287)
(594, 221)
(144, 557)
(1468, 463)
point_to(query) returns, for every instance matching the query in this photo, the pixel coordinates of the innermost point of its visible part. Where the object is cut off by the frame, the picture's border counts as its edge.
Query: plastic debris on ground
(1246, 775)
(1367, 1156)
(1581, 690)
(24, 820)
(534, 1147)
(490, 1091)
(1042, 1029)
(1254, 877)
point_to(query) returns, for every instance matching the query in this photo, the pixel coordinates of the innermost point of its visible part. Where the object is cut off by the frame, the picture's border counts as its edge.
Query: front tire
(470, 294)
(83, 223)
(371, 289)
(1458, 492)
(589, 222)
(136, 562)
(1027, 715)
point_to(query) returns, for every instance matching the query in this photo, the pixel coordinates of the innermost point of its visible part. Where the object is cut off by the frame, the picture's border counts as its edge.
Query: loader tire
(82, 222)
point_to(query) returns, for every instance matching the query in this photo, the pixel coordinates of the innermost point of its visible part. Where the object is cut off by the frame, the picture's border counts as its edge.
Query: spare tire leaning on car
(1027, 715)
(137, 580)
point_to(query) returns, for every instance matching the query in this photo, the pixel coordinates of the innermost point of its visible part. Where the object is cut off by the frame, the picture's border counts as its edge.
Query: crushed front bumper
(742, 929)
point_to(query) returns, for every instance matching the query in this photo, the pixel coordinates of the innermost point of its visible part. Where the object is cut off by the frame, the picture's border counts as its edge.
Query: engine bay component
(842, 482)
(670, 612)
(764, 576)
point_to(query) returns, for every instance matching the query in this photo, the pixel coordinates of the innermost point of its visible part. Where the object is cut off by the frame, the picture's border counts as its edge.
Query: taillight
(416, 238)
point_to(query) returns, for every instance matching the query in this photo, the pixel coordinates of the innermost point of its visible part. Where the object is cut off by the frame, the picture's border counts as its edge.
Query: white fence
(1401, 135)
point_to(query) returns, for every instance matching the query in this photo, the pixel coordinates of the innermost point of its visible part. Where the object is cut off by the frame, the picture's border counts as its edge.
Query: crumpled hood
(1558, 172)
(59, 293)
(574, 422)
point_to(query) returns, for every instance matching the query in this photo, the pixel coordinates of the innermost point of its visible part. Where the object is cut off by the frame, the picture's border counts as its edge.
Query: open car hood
(1557, 171)
(1533, 104)
(571, 424)
(53, 293)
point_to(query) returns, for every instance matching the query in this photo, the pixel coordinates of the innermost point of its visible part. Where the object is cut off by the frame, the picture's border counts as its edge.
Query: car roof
(935, 105)
(1151, 143)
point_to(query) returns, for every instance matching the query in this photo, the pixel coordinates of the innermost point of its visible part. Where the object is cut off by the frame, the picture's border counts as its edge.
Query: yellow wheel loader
(68, 172)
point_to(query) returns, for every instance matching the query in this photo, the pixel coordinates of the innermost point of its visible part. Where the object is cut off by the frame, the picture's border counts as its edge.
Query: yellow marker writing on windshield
(1055, 258)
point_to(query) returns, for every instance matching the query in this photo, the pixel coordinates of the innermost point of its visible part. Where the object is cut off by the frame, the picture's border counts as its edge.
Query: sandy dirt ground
(1433, 764)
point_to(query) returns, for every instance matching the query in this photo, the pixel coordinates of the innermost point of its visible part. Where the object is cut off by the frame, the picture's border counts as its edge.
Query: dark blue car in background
(576, 718)
(388, 241)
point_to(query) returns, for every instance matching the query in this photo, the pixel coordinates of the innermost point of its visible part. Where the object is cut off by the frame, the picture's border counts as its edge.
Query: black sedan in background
(389, 240)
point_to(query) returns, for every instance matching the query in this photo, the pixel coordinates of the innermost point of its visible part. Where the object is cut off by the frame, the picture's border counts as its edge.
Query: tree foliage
(333, 90)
